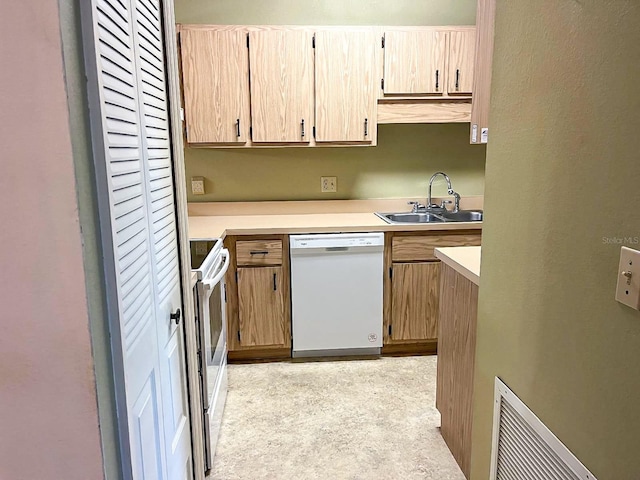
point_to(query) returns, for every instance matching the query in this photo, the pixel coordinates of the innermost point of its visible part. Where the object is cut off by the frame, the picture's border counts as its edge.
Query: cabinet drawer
(259, 252)
(420, 248)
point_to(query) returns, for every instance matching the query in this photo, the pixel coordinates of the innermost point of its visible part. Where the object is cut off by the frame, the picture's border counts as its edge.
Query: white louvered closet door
(154, 111)
(134, 122)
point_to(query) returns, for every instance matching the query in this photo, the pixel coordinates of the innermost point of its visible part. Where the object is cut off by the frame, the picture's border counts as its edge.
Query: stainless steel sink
(463, 216)
(428, 217)
(410, 217)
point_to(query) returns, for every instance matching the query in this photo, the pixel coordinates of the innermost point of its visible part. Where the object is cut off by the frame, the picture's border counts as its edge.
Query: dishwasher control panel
(343, 240)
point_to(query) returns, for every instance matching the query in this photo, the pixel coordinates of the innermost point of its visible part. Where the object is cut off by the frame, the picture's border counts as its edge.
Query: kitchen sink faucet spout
(450, 191)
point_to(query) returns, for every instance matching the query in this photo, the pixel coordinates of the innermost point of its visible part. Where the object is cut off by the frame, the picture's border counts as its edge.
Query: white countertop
(217, 220)
(464, 260)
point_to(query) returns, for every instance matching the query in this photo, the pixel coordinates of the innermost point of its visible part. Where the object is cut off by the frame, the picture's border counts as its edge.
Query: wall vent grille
(524, 448)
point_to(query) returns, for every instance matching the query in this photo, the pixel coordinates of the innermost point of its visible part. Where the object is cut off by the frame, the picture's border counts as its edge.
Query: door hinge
(313, 42)
(383, 42)
(391, 272)
(247, 40)
(239, 336)
(382, 83)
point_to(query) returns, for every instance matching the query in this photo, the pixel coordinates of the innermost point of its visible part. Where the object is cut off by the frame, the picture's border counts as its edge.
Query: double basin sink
(431, 217)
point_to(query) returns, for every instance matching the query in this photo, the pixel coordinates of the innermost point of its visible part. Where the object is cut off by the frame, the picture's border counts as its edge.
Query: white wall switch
(628, 289)
(328, 184)
(197, 185)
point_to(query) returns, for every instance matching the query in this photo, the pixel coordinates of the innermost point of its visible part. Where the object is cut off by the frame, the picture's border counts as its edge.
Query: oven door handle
(209, 284)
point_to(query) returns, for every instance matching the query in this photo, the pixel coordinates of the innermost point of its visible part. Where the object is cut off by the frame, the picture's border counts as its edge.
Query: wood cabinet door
(215, 77)
(415, 291)
(346, 85)
(281, 66)
(462, 57)
(414, 62)
(261, 306)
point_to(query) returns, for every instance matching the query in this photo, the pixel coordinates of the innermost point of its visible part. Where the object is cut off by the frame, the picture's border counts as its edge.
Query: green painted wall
(406, 155)
(562, 189)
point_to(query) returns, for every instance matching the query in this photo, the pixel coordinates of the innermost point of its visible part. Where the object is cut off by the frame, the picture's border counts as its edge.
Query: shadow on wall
(400, 166)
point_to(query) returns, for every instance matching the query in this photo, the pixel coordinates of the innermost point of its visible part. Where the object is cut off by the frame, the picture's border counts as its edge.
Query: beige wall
(406, 155)
(563, 176)
(48, 411)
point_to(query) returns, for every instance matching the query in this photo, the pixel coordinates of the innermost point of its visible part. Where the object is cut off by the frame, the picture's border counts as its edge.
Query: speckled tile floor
(359, 419)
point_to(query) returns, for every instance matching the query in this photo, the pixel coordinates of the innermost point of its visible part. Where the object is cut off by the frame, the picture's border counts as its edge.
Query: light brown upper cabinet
(485, 21)
(281, 69)
(215, 76)
(462, 56)
(347, 79)
(428, 61)
(414, 62)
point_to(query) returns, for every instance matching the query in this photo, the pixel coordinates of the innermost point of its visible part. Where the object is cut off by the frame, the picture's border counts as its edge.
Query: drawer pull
(258, 252)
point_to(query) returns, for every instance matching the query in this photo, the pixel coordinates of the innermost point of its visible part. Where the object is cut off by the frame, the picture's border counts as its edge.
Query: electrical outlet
(197, 185)
(628, 288)
(328, 184)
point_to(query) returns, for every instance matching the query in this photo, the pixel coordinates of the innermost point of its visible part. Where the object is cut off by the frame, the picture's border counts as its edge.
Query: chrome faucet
(450, 191)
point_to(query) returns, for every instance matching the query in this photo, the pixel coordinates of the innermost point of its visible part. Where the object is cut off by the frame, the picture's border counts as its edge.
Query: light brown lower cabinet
(412, 288)
(414, 301)
(261, 307)
(258, 297)
(456, 361)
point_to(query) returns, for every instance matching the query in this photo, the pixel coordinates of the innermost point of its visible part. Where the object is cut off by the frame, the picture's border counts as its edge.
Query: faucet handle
(416, 206)
(445, 202)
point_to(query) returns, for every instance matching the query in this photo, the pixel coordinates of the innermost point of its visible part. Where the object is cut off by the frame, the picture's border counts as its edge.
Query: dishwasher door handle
(336, 249)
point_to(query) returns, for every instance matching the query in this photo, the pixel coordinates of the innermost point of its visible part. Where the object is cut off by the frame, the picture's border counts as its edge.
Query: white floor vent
(524, 448)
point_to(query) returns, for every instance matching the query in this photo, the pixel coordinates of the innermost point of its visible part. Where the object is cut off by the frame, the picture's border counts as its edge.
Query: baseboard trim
(400, 349)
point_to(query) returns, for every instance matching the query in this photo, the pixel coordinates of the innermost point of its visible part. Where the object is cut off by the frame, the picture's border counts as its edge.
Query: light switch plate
(628, 289)
(197, 185)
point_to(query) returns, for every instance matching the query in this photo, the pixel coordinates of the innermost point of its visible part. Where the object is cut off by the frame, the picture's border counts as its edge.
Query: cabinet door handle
(275, 287)
(457, 79)
(302, 127)
(238, 127)
(366, 127)
(437, 79)
(258, 252)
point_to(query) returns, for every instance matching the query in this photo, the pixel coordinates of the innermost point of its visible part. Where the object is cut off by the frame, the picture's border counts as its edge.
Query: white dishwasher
(336, 293)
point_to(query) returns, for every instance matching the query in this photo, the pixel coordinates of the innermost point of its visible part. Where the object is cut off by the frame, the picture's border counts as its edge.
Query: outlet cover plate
(628, 288)
(197, 185)
(328, 184)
